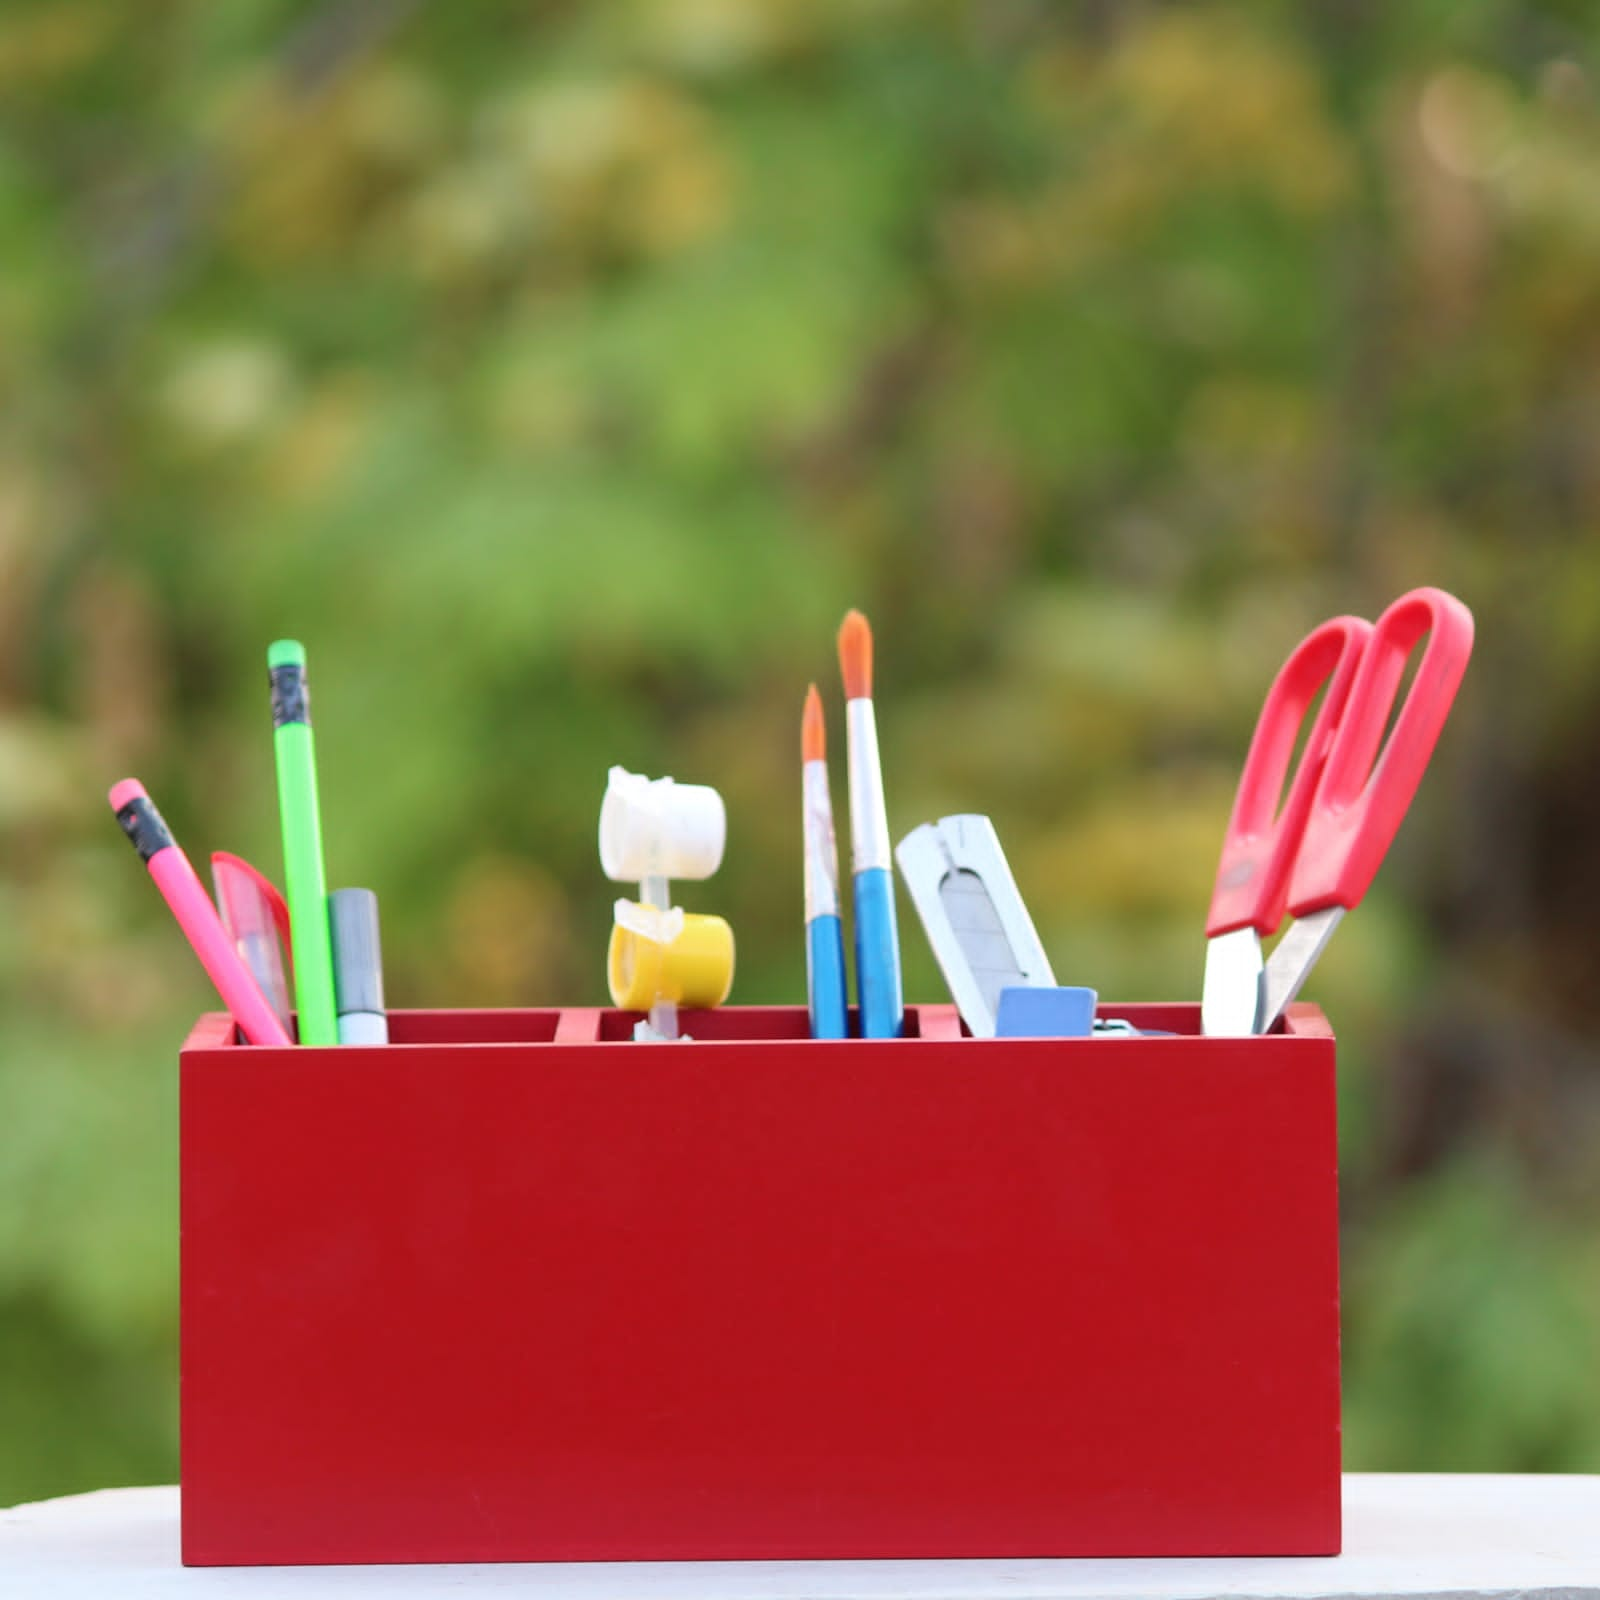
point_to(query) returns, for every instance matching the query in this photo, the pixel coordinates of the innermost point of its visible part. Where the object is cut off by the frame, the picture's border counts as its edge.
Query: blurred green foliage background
(561, 373)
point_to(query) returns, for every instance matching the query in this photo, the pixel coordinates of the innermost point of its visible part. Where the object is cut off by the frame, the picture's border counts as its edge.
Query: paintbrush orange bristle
(813, 739)
(855, 656)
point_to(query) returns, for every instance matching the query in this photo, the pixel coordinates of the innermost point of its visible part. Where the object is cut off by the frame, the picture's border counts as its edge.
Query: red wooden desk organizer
(514, 1288)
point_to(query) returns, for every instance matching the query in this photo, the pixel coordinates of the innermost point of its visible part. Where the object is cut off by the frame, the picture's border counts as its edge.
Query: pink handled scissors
(1316, 856)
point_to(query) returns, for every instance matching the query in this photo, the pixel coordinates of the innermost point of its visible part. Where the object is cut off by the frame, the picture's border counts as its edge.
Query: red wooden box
(515, 1288)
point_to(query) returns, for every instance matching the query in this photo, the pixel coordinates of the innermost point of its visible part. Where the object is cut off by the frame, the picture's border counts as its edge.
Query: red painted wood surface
(506, 1290)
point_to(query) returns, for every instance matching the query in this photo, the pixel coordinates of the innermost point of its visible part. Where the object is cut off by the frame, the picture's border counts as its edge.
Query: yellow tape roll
(694, 971)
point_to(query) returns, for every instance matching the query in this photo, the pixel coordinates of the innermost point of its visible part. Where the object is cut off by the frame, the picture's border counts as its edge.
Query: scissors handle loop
(1258, 850)
(1363, 795)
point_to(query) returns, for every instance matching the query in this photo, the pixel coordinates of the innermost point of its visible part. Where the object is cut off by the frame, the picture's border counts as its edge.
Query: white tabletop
(1405, 1534)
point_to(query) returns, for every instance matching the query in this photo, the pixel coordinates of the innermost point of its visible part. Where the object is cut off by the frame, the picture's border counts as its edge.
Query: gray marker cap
(357, 963)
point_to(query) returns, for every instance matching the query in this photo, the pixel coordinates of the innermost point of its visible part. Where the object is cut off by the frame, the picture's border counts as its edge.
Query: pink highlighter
(190, 904)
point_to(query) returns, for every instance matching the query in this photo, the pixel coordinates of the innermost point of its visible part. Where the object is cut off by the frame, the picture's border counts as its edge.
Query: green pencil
(302, 843)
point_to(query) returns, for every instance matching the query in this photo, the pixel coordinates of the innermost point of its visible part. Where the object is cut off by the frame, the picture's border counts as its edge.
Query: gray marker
(357, 967)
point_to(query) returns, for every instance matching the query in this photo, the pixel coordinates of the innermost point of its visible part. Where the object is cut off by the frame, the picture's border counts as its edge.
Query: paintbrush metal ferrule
(869, 817)
(821, 850)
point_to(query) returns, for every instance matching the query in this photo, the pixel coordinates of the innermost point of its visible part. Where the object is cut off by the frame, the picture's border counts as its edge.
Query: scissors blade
(1290, 964)
(1230, 1000)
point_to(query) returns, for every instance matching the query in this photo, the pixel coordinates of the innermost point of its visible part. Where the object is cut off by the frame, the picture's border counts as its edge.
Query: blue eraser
(1064, 1013)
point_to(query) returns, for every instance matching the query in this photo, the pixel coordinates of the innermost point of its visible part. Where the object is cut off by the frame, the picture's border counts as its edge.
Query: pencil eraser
(1058, 1013)
(286, 653)
(128, 789)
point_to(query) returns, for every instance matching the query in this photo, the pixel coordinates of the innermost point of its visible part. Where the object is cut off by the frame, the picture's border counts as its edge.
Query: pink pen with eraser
(191, 905)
